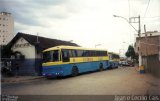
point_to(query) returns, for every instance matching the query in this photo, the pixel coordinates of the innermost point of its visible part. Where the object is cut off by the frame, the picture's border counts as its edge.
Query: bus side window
(65, 55)
(70, 53)
(106, 53)
(74, 53)
(55, 55)
(80, 53)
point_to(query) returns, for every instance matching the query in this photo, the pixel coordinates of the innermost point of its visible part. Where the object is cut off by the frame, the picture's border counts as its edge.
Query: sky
(89, 23)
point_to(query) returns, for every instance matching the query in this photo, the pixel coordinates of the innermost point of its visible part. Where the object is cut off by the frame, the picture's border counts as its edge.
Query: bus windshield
(51, 56)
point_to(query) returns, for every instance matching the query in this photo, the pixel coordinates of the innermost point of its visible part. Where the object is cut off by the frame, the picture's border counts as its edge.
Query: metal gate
(152, 64)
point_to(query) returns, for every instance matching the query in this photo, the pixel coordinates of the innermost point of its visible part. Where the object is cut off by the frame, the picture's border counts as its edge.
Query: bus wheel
(75, 71)
(110, 67)
(101, 67)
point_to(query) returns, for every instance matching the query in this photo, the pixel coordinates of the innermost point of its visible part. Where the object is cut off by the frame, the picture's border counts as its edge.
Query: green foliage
(6, 51)
(130, 52)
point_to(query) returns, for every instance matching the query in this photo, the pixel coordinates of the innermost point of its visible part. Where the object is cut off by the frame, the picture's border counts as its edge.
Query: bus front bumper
(53, 74)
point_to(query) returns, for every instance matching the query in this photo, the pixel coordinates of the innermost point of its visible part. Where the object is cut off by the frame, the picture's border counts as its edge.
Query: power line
(151, 17)
(129, 7)
(152, 20)
(147, 8)
(129, 13)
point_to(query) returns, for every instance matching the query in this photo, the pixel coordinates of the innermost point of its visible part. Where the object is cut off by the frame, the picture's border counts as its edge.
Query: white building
(28, 49)
(6, 28)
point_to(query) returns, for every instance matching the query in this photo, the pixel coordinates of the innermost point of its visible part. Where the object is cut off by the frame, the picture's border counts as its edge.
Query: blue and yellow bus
(71, 60)
(113, 60)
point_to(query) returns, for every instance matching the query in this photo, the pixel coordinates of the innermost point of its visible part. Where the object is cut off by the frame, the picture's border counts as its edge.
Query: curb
(18, 81)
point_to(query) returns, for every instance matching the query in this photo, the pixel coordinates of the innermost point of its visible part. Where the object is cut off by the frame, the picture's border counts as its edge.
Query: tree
(6, 51)
(130, 52)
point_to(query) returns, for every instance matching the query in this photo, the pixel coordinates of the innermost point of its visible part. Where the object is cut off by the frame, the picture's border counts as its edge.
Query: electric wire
(147, 8)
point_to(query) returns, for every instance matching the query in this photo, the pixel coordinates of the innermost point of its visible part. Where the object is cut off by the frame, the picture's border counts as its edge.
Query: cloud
(86, 22)
(47, 2)
(31, 12)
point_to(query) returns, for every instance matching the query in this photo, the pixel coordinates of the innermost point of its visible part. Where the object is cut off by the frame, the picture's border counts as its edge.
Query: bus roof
(71, 47)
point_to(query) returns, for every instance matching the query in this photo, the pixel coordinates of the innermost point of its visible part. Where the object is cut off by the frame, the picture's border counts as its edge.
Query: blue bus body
(113, 60)
(113, 64)
(65, 69)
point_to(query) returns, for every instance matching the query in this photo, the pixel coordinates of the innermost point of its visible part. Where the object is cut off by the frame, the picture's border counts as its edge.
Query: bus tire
(111, 67)
(101, 67)
(75, 71)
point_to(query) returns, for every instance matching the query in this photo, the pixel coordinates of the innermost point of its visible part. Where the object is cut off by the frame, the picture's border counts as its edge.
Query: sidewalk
(154, 83)
(154, 87)
(19, 79)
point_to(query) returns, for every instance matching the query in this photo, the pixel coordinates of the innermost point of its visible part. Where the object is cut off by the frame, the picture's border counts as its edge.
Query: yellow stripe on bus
(77, 60)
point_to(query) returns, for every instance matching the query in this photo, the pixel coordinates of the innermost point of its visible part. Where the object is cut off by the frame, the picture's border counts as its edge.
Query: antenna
(37, 41)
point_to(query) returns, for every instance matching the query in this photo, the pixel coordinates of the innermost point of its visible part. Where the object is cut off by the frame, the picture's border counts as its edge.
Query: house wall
(150, 54)
(25, 48)
(149, 47)
(28, 65)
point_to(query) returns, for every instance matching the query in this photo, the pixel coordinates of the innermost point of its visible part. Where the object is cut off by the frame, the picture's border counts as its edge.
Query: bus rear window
(51, 56)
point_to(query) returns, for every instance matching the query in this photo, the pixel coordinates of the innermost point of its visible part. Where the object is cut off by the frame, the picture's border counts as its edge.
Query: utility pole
(139, 21)
(134, 20)
(36, 55)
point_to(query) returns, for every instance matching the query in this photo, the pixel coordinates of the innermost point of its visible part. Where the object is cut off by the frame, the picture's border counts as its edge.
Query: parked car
(131, 63)
(124, 63)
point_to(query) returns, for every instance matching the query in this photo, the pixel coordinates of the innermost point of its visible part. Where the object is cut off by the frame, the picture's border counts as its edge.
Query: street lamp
(97, 45)
(127, 21)
(121, 17)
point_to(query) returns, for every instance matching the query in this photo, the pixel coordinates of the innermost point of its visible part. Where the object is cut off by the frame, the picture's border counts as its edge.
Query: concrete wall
(26, 67)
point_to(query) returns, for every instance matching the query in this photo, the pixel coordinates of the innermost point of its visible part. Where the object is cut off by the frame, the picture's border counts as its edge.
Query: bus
(72, 60)
(113, 60)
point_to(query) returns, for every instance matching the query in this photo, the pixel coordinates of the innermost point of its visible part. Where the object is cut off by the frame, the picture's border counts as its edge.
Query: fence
(25, 67)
